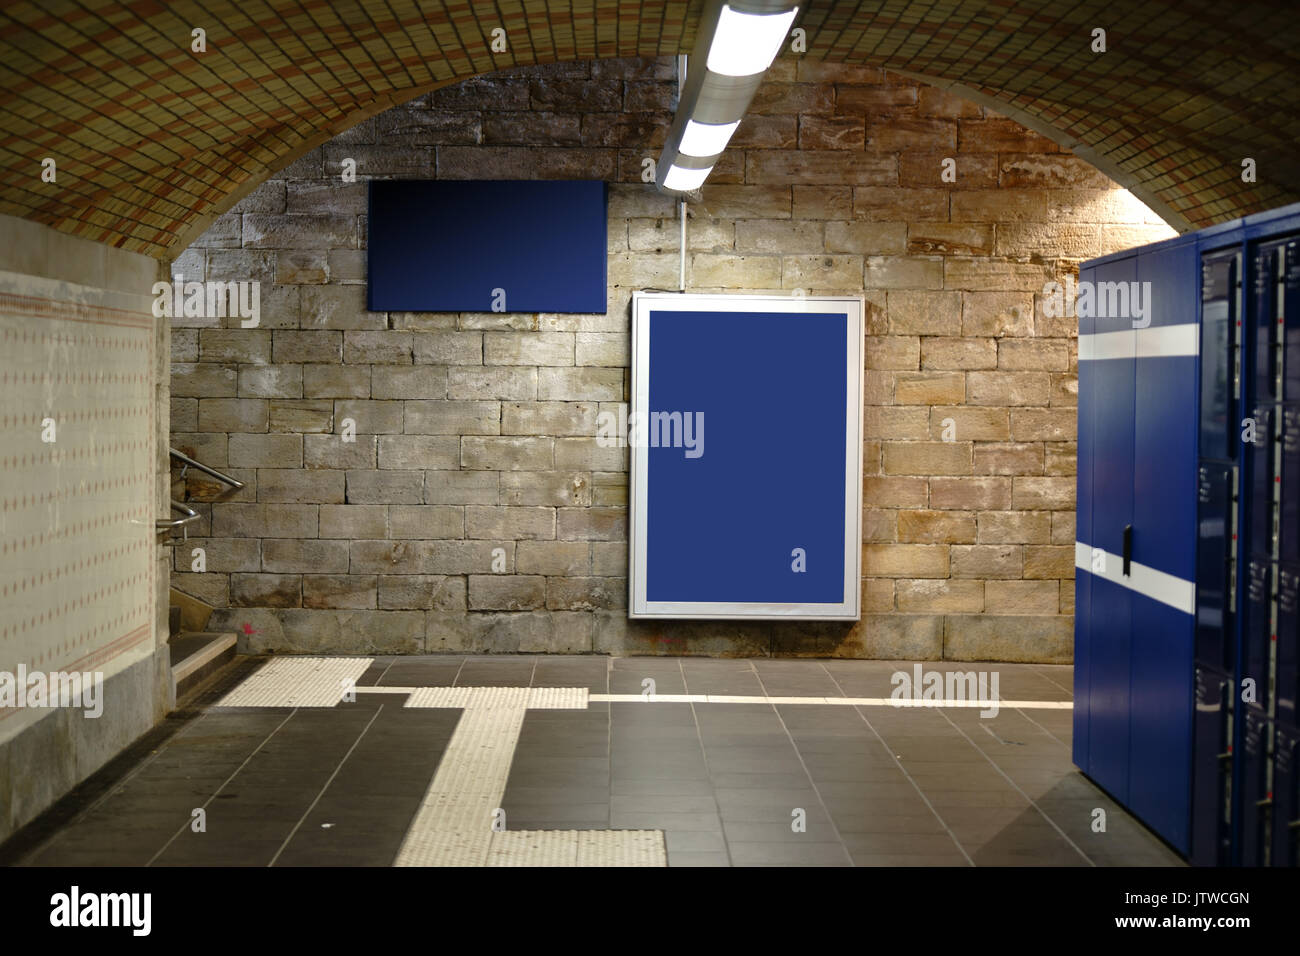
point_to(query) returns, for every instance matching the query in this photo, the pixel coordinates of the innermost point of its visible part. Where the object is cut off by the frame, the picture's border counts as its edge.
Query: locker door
(1265, 332)
(1219, 316)
(1256, 628)
(1259, 472)
(1214, 523)
(1212, 769)
(1289, 512)
(1291, 324)
(1254, 789)
(1286, 798)
(1111, 617)
(1164, 508)
(1288, 644)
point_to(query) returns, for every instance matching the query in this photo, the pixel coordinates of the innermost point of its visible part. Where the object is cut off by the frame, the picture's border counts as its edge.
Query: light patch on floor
(299, 682)
(455, 823)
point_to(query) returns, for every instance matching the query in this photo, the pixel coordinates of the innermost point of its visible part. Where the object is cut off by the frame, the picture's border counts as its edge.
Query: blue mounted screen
(498, 246)
(755, 510)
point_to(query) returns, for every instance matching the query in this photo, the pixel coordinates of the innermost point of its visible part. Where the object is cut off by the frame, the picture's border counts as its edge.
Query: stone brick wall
(476, 432)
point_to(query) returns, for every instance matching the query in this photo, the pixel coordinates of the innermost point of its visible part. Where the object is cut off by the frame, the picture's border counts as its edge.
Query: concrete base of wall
(1046, 639)
(65, 747)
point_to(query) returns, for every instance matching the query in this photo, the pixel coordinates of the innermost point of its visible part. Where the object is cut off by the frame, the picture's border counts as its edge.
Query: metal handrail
(171, 524)
(188, 462)
(168, 525)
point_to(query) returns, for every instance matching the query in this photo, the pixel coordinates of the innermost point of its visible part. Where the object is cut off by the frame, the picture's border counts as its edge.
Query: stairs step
(197, 655)
(173, 621)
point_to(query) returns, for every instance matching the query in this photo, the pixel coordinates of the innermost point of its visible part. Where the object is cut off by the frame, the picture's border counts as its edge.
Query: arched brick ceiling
(152, 140)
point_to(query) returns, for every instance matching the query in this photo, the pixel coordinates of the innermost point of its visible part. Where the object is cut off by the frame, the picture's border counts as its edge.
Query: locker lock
(1128, 549)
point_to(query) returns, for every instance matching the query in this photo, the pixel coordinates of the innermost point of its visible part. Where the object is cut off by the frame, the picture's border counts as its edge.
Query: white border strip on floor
(422, 698)
(843, 701)
(1160, 586)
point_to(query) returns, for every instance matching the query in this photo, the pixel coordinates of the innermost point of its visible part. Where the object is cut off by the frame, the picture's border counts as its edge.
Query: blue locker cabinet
(1136, 554)
(1187, 549)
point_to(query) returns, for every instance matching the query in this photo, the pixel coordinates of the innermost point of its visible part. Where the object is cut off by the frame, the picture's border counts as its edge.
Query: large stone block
(338, 591)
(265, 451)
(970, 494)
(559, 488)
(331, 451)
(506, 592)
(353, 521)
(905, 560)
(1047, 639)
(938, 597)
(943, 352)
(296, 555)
(548, 418)
(336, 381)
(508, 453)
(435, 592)
(1009, 459)
(288, 415)
(413, 382)
(270, 381)
(452, 418)
(554, 558)
(265, 590)
(585, 594)
(496, 523)
(299, 486)
(233, 520)
(426, 522)
(1008, 388)
(936, 527)
(468, 383)
(379, 487)
(1015, 527)
(441, 347)
(1022, 597)
(338, 307)
(1044, 494)
(449, 487)
(987, 561)
(370, 417)
(926, 458)
(591, 524)
(895, 204)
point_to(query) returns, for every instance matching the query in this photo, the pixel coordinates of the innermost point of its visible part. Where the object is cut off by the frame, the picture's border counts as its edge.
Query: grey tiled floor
(875, 786)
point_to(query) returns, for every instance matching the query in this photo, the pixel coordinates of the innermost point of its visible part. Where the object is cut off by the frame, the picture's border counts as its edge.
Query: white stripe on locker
(1162, 341)
(1160, 586)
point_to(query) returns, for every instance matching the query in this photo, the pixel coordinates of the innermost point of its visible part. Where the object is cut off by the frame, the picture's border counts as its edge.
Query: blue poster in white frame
(745, 431)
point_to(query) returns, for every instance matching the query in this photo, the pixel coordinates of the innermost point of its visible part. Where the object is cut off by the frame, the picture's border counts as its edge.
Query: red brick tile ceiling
(152, 140)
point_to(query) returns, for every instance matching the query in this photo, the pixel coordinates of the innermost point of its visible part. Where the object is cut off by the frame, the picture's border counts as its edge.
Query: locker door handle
(1128, 549)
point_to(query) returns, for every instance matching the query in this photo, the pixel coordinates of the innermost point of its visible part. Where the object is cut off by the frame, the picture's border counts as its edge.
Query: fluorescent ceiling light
(685, 180)
(746, 43)
(703, 140)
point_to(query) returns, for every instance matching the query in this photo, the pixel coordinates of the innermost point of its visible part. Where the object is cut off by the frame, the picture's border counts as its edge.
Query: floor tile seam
(804, 764)
(306, 813)
(907, 776)
(233, 774)
(1032, 802)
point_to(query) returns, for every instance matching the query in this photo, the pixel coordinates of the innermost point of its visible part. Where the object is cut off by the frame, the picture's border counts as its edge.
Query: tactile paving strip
(298, 682)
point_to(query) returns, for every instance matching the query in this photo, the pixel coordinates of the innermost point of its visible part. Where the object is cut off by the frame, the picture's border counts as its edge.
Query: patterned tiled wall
(76, 513)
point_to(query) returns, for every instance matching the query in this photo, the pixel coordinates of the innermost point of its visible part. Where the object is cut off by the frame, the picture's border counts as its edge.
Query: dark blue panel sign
(500, 246)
